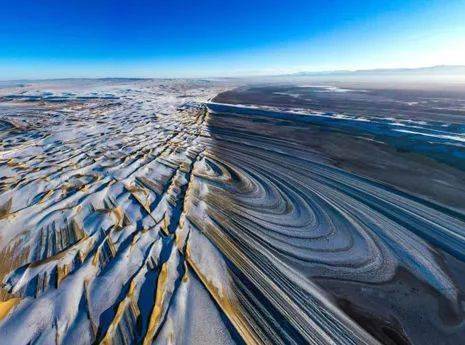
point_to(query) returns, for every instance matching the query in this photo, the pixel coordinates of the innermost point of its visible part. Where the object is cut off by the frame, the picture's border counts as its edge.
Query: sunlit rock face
(131, 212)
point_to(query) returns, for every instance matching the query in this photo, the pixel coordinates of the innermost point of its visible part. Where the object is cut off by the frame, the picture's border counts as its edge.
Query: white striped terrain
(131, 212)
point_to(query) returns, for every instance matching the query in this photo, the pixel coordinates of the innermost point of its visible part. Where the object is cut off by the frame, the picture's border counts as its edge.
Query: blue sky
(80, 38)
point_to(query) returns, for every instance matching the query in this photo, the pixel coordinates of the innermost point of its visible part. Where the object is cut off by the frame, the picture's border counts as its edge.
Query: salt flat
(143, 211)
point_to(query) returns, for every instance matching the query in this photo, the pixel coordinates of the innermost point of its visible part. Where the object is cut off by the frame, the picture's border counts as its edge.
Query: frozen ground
(140, 212)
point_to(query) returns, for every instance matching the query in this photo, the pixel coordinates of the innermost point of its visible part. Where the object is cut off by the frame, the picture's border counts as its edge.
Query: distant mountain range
(451, 70)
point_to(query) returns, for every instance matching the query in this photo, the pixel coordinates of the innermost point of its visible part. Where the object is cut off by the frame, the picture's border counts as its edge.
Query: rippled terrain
(141, 211)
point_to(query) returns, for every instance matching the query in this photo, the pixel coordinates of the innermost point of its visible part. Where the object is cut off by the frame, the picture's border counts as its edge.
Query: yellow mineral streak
(13, 164)
(45, 196)
(111, 247)
(119, 215)
(6, 208)
(6, 306)
(10, 261)
(157, 308)
(128, 302)
(96, 257)
(77, 229)
(166, 223)
(62, 273)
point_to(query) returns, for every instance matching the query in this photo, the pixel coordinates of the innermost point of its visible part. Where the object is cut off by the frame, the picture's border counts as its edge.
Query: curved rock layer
(138, 218)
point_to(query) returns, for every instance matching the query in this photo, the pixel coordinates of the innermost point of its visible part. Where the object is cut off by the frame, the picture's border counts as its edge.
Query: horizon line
(302, 73)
